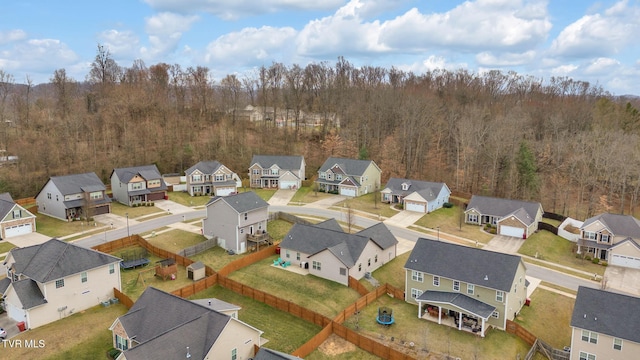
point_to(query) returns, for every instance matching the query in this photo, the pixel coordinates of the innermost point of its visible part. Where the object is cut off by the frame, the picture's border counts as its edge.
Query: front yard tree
(528, 181)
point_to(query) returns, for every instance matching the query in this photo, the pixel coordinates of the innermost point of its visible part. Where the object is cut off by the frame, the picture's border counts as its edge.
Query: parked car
(3, 333)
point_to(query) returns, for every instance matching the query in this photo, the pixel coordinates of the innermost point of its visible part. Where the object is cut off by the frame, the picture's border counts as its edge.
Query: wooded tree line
(563, 142)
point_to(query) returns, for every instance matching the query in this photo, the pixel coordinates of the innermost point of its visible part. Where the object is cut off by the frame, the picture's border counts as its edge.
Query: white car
(3, 333)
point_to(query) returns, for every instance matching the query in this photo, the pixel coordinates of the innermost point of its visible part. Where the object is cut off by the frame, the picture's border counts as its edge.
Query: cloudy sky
(595, 41)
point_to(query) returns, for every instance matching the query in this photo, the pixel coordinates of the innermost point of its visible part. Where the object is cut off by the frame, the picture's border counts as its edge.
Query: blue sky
(594, 41)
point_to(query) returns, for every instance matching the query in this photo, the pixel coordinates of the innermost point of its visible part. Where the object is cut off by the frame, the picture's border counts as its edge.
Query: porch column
(419, 309)
(482, 330)
(439, 315)
(460, 321)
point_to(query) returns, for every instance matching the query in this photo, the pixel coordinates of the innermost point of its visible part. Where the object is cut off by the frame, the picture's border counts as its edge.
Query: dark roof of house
(55, 259)
(77, 183)
(607, 313)
(285, 162)
(503, 207)
(467, 264)
(4, 284)
(462, 301)
(620, 243)
(205, 167)
(216, 304)
(6, 204)
(351, 167)
(147, 172)
(428, 190)
(330, 224)
(241, 202)
(312, 239)
(268, 354)
(620, 225)
(29, 293)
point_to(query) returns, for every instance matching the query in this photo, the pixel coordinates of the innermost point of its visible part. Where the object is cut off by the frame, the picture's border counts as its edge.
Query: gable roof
(481, 267)
(7, 204)
(486, 205)
(216, 304)
(205, 167)
(55, 259)
(352, 167)
(285, 162)
(380, 234)
(607, 313)
(268, 354)
(76, 183)
(29, 293)
(427, 189)
(620, 225)
(147, 172)
(241, 202)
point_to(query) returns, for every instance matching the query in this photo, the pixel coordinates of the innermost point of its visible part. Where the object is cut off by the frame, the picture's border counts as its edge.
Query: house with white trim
(511, 217)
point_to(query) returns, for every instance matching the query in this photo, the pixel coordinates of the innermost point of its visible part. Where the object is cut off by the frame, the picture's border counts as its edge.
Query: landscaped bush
(587, 257)
(447, 205)
(113, 353)
(604, 263)
(595, 260)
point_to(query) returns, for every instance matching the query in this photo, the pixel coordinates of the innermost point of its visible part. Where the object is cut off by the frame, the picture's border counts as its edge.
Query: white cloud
(488, 58)
(11, 36)
(165, 31)
(601, 66)
(433, 63)
(251, 46)
(121, 44)
(564, 70)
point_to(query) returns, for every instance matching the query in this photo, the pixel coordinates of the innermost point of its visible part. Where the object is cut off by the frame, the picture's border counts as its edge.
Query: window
(338, 176)
(316, 265)
(604, 238)
(153, 183)
(196, 177)
(470, 289)
(589, 235)
(515, 288)
(473, 218)
(415, 293)
(136, 186)
(416, 276)
(375, 258)
(95, 195)
(287, 255)
(59, 283)
(495, 314)
(499, 296)
(112, 268)
(255, 171)
(83, 277)
(617, 344)
(456, 285)
(246, 215)
(57, 198)
(234, 354)
(436, 281)
(405, 186)
(49, 196)
(298, 256)
(360, 267)
(16, 214)
(343, 271)
(323, 175)
(219, 177)
(368, 262)
(122, 343)
(274, 171)
(587, 356)
(590, 336)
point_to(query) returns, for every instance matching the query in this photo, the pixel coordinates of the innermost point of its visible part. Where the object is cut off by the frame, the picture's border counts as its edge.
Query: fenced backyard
(198, 248)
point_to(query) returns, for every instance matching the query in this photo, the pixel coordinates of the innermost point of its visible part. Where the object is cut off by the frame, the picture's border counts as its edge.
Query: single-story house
(511, 217)
(415, 195)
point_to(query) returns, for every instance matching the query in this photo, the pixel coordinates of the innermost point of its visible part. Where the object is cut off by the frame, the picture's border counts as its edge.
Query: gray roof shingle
(502, 207)
(6, 204)
(620, 225)
(607, 313)
(242, 202)
(462, 301)
(29, 293)
(380, 234)
(76, 183)
(285, 162)
(428, 190)
(351, 167)
(55, 259)
(484, 268)
(205, 167)
(148, 172)
(268, 354)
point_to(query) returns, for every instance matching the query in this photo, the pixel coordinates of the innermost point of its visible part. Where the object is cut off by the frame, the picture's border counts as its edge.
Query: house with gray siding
(415, 195)
(15, 220)
(211, 178)
(515, 218)
(75, 196)
(277, 171)
(329, 252)
(138, 184)
(348, 177)
(234, 219)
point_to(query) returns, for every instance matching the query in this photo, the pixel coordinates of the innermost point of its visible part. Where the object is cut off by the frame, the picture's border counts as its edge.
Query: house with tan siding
(138, 184)
(211, 178)
(348, 177)
(277, 171)
(511, 217)
(15, 220)
(613, 238)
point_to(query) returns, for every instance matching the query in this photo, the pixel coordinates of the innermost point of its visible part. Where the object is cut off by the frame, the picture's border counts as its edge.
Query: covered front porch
(456, 310)
(594, 249)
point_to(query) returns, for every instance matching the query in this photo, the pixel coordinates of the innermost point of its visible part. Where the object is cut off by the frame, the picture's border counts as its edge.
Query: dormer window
(405, 186)
(605, 238)
(16, 214)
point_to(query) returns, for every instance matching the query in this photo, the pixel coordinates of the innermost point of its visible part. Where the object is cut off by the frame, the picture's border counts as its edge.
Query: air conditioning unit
(367, 275)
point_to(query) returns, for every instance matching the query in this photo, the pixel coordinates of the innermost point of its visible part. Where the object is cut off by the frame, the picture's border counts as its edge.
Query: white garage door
(17, 230)
(224, 191)
(413, 206)
(288, 184)
(15, 312)
(626, 261)
(512, 231)
(348, 191)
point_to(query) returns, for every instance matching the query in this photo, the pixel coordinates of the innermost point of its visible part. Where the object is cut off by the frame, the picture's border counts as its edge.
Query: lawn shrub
(447, 205)
(113, 353)
(604, 263)
(587, 257)
(595, 260)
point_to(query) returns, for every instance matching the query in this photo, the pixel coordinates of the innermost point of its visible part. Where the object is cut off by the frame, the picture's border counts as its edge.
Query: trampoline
(385, 316)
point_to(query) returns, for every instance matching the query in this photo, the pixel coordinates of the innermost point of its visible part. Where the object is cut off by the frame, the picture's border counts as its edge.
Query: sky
(586, 40)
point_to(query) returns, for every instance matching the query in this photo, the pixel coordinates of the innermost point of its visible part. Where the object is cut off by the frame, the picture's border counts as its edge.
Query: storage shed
(196, 271)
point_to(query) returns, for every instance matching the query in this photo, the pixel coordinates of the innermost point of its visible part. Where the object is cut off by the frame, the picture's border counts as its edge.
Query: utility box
(196, 271)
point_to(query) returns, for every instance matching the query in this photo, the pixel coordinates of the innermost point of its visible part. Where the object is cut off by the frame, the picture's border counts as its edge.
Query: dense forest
(563, 142)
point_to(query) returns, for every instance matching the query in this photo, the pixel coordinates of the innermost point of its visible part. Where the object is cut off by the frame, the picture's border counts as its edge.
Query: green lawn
(391, 273)
(176, 240)
(553, 222)
(553, 248)
(306, 195)
(451, 221)
(368, 203)
(185, 199)
(336, 348)
(265, 194)
(53, 227)
(216, 257)
(322, 296)
(277, 229)
(284, 331)
(548, 317)
(133, 212)
(5, 246)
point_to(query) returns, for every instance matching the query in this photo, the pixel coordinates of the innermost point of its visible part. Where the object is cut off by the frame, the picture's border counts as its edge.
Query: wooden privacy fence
(288, 217)
(123, 298)
(247, 260)
(357, 286)
(198, 248)
(522, 333)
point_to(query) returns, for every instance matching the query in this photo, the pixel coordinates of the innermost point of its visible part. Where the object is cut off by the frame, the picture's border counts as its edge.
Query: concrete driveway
(327, 202)
(282, 197)
(9, 325)
(504, 244)
(33, 238)
(172, 206)
(404, 218)
(622, 279)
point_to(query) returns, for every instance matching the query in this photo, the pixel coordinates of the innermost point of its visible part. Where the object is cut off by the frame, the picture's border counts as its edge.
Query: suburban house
(238, 221)
(613, 238)
(329, 252)
(464, 287)
(415, 195)
(276, 171)
(14, 219)
(604, 325)
(211, 178)
(348, 177)
(511, 217)
(75, 196)
(138, 184)
(55, 279)
(164, 326)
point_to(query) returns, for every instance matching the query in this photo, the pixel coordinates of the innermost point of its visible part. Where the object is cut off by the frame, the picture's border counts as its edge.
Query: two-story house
(55, 279)
(512, 217)
(164, 326)
(73, 197)
(415, 195)
(464, 287)
(14, 219)
(604, 325)
(348, 177)
(276, 171)
(613, 238)
(329, 252)
(234, 218)
(211, 178)
(138, 184)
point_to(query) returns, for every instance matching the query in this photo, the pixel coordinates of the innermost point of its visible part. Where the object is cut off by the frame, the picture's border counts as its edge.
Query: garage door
(414, 206)
(348, 191)
(512, 231)
(17, 230)
(15, 312)
(101, 210)
(224, 191)
(288, 184)
(625, 261)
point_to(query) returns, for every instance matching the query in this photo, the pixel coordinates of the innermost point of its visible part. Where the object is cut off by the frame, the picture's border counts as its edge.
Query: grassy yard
(306, 195)
(391, 273)
(284, 331)
(176, 240)
(548, 317)
(84, 335)
(552, 222)
(53, 227)
(265, 194)
(216, 257)
(134, 212)
(183, 198)
(368, 204)
(5, 246)
(277, 229)
(556, 249)
(323, 296)
(429, 335)
(336, 348)
(449, 220)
